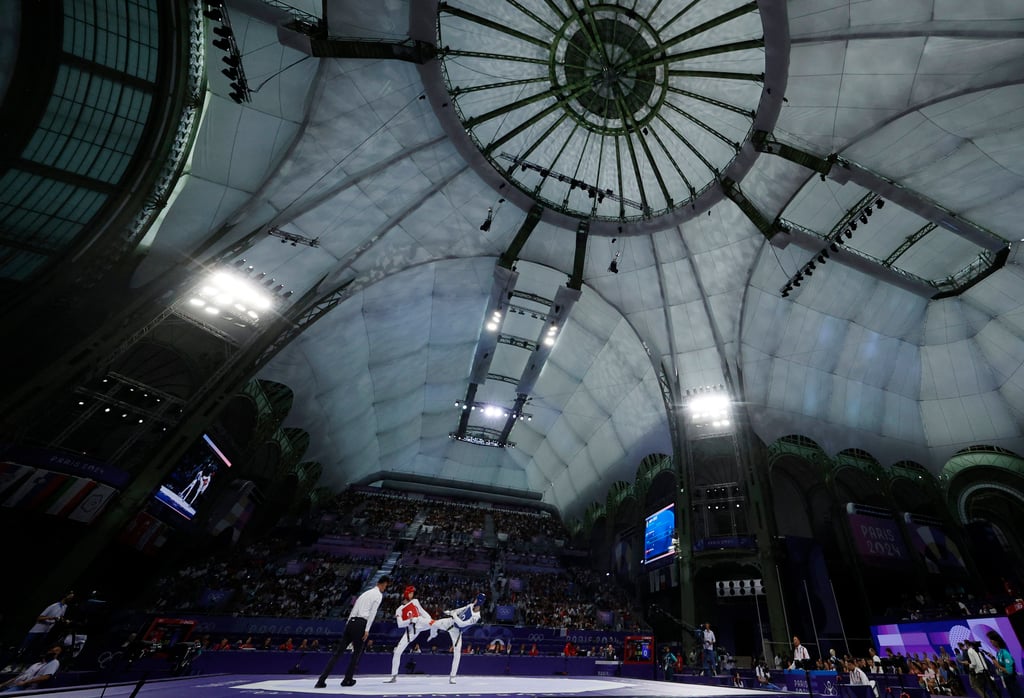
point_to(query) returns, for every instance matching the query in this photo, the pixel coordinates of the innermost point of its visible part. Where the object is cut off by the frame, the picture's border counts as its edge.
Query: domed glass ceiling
(604, 111)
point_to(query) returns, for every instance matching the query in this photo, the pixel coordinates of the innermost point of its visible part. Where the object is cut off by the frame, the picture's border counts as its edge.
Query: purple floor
(372, 685)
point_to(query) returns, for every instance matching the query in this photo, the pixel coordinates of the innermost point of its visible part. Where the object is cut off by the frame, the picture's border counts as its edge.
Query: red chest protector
(409, 610)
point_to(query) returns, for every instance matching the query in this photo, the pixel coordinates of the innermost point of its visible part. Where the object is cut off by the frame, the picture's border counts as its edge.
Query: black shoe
(348, 682)
(320, 684)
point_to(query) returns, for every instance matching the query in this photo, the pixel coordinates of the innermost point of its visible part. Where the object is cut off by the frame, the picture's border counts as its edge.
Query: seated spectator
(35, 675)
(224, 644)
(246, 644)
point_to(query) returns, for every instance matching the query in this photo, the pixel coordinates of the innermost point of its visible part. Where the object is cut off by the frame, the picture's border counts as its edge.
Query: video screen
(185, 487)
(659, 530)
(926, 637)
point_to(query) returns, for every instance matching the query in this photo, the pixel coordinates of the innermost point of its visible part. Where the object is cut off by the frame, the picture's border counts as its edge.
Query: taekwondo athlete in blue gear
(414, 619)
(454, 623)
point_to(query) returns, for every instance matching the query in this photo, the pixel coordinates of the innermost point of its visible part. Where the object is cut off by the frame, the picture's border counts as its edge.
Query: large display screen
(927, 637)
(185, 487)
(659, 531)
(878, 540)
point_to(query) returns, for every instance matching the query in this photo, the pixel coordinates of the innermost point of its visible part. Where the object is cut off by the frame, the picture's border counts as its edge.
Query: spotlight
(810, 266)
(614, 267)
(834, 246)
(785, 293)
(853, 225)
(230, 73)
(223, 31)
(879, 203)
(869, 210)
(233, 61)
(222, 44)
(486, 225)
(796, 281)
(821, 258)
(214, 14)
(863, 219)
(809, 272)
(237, 98)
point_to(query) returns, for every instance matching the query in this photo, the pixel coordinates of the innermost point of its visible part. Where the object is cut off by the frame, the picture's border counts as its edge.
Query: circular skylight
(604, 111)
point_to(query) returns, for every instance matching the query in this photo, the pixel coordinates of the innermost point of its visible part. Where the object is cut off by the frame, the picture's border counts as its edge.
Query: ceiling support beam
(769, 228)
(509, 256)
(842, 171)
(580, 258)
(464, 417)
(408, 50)
(513, 417)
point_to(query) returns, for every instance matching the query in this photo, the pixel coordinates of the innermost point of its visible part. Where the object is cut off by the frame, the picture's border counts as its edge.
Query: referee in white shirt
(357, 629)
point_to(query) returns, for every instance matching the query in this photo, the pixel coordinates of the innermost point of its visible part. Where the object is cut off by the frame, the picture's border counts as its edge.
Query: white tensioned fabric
(924, 93)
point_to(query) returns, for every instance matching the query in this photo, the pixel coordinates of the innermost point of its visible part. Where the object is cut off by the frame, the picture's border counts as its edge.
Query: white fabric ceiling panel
(813, 16)
(875, 58)
(998, 294)
(372, 175)
(680, 285)
(1002, 346)
(690, 322)
(726, 268)
(952, 320)
(944, 255)
(949, 370)
(770, 184)
(381, 19)
(182, 228)
(980, 9)
(874, 12)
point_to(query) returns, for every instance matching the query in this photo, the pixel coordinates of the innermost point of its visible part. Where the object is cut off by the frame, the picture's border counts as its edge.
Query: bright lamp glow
(492, 411)
(492, 326)
(238, 295)
(710, 404)
(549, 340)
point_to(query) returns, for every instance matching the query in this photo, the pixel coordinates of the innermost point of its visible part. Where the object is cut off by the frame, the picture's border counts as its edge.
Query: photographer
(981, 679)
(44, 625)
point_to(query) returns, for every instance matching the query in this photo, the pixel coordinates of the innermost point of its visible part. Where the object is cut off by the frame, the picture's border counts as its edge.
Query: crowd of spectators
(449, 562)
(565, 598)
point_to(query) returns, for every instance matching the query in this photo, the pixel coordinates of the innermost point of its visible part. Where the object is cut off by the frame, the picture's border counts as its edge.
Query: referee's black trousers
(353, 634)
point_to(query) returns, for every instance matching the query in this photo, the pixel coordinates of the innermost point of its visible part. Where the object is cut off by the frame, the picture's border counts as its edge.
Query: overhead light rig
(294, 238)
(491, 410)
(217, 11)
(592, 191)
(482, 436)
(846, 227)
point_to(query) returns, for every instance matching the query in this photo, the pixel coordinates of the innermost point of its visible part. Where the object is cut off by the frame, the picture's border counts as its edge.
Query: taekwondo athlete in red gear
(454, 623)
(414, 619)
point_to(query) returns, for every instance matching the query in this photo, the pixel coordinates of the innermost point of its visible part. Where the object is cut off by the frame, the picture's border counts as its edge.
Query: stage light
(549, 341)
(223, 31)
(222, 44)
(879, 203)
(492, 326)
(863, 219)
